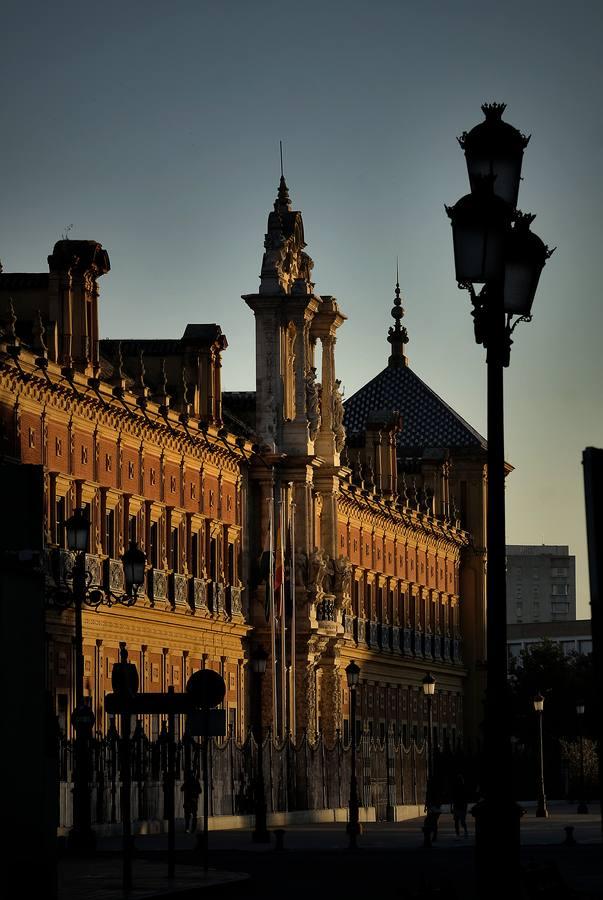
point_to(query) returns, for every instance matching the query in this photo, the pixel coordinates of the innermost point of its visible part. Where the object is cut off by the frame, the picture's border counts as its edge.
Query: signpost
(205, 690)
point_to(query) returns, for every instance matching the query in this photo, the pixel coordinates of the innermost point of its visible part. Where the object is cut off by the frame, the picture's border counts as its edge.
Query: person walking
(191, 789)
(459, 806)
(433, 809)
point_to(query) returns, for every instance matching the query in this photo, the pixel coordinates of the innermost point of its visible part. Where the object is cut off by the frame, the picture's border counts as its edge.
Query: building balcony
(234, 606)
(158, 585)
(179, 590)
(114, 580)
(216, 598)
(372, 635)
(385, 638)
(360, 631)
(325, 609)
(198, 595)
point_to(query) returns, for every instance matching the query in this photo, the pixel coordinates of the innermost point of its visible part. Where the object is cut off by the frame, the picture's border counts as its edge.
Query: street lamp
(259, 660)
(541, 810)
(134, 562)
(77, 533)
(429, 684)
(352, 672)
(493, 246)
(582, 807)
(81, 837)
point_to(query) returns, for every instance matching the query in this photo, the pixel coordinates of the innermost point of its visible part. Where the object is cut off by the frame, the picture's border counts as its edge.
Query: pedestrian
(433, 809)
(191, 789)
(459, 806)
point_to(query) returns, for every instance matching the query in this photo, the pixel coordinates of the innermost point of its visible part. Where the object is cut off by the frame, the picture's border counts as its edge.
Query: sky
(154, 128)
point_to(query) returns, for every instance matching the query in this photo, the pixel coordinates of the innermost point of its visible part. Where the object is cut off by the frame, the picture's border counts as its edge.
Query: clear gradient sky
(153, 127)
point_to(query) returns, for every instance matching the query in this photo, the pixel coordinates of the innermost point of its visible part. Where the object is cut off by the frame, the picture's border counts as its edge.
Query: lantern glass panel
(506, 174)
(77, 529)
(521, 281)
(478, 253)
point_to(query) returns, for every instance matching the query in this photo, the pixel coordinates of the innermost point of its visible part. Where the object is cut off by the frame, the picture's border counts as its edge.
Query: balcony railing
(158, 585)
(198, 594)
(179, 589)
(216, 598)
(233, 600)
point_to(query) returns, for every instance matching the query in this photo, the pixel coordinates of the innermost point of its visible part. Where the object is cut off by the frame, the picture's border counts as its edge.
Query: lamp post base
(541, 810)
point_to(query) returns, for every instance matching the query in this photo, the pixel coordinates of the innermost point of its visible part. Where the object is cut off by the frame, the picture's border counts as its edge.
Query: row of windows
(182, 546)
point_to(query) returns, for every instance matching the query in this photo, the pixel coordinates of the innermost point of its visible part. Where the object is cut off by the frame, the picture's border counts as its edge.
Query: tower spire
(283, 201)
(397, 334)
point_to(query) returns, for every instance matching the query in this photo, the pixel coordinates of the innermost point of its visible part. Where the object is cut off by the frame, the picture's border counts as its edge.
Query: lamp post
(352, 672)
(541, 810)
(81, 837)
(77, 531)
(493, 246)
(259, 660)
(429, 684)
(582, 807)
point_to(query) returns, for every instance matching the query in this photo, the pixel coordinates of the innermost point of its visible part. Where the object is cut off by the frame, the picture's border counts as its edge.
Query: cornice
(95, 410)
(439, 535)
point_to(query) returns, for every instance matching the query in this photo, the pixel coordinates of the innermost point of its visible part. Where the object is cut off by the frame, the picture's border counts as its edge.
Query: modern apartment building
(541, 584)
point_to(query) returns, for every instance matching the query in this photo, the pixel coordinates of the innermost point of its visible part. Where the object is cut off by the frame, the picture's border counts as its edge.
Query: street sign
(206, 723)
(147, 704)
(206, 688)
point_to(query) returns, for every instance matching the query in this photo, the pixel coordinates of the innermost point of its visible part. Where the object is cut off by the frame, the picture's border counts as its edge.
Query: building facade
(572, 637)
(541, 584)
(374, 510)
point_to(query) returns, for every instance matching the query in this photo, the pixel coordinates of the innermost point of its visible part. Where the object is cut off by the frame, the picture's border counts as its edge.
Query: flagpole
(271, 596)
(292, 710)
(283, 623)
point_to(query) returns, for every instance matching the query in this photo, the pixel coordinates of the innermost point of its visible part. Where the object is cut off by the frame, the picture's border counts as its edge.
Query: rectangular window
(154, 545)
(59, 519)
(110, 533)
(194, 561)
(231, 564)
(174, 559)
(132, 528)
(87, 507)
(213, 559)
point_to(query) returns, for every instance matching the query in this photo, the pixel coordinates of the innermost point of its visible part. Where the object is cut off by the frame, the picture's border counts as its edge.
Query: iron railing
(298, 775)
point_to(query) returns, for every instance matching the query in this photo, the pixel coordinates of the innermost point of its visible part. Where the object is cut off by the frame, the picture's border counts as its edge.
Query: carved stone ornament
(337, 416)
(318, 565)
(312, 403)
(301, 568)
(343, 581)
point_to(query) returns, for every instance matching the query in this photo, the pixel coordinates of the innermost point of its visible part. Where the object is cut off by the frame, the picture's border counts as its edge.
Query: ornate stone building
(374, 509)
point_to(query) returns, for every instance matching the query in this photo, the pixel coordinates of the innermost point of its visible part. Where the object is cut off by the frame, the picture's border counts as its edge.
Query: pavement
(315, 856)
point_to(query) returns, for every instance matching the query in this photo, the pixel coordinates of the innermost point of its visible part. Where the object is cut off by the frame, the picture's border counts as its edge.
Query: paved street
(391, 856)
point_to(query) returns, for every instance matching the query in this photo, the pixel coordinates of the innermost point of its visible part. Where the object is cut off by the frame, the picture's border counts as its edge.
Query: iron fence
(298, 775)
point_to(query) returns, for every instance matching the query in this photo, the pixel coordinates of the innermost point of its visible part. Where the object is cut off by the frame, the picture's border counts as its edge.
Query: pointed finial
(38, 331)
(119, 379)
(10, 331)
(141, 371)
(186, 406)
(164, 397)
(397, 334)
(119, 367)
(143, 391)
(283, 201)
